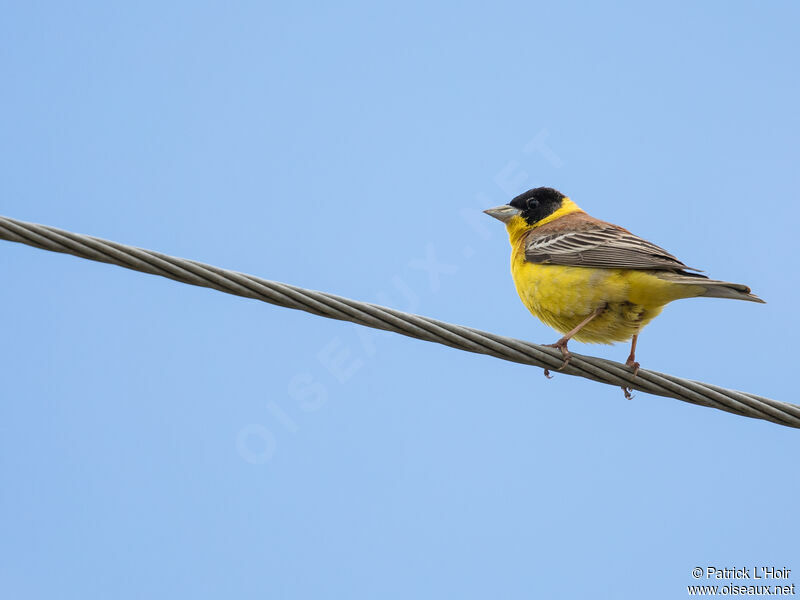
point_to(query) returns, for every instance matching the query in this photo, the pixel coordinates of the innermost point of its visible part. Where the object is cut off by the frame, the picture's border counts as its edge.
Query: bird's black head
(538, 203)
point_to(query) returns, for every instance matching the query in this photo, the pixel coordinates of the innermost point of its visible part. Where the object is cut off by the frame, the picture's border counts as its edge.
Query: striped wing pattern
(605, 248)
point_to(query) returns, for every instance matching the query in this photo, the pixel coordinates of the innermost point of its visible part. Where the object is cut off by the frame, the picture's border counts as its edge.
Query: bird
(594, 281)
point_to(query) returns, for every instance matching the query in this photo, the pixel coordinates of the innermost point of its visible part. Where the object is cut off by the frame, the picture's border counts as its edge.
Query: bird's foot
(631, 362)
(561, 345)
(633, 365)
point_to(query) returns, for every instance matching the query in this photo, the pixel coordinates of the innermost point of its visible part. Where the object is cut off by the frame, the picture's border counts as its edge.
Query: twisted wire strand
(388, 319)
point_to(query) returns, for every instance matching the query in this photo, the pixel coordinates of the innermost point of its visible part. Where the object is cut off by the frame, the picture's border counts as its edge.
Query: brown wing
(605, 247)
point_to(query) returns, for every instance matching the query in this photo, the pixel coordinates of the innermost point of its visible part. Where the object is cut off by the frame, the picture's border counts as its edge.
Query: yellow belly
(562, 297)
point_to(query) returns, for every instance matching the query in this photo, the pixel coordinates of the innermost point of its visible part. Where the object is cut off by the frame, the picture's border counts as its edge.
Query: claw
(634, 365)
(562, 345)
(627, 391)
(547, 374)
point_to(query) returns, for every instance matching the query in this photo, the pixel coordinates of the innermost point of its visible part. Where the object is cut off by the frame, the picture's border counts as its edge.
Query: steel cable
(381, 317)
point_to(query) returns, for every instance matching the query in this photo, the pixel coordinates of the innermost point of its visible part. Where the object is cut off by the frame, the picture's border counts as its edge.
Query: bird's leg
(631, 362)
(562, 343)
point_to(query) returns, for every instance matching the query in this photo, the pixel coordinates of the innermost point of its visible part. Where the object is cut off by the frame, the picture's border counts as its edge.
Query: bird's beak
(502, 213)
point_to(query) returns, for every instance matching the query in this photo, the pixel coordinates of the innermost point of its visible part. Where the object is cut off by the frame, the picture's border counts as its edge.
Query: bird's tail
(712, 288)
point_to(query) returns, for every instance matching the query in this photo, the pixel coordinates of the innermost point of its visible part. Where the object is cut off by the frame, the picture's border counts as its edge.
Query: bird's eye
(533, 203)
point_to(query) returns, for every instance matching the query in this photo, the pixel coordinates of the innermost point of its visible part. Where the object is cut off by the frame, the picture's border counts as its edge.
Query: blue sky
(162, 440)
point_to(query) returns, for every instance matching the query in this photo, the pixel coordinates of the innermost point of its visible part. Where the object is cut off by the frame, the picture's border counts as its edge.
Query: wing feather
(605, 247)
